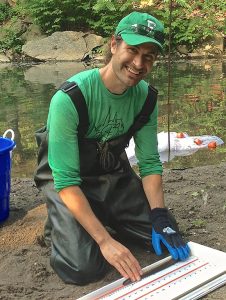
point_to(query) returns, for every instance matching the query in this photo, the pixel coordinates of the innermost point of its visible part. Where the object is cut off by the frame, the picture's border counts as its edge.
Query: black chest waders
(113, 189)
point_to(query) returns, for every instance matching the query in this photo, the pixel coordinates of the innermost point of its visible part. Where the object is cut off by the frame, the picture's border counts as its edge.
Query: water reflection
(54, 73)
(197, 105)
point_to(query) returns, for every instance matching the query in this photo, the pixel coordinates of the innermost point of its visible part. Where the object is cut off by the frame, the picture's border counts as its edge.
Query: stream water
(197, 106)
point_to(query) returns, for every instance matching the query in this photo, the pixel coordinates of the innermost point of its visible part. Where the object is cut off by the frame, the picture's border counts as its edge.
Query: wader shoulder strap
(144, 115)
(121, 142)
(43, 173)
(117, 145)
(72, 89)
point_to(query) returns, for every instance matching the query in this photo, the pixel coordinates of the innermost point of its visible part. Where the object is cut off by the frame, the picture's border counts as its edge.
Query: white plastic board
(204, 271)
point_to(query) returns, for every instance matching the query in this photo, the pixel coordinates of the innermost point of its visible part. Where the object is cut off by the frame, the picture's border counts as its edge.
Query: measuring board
(203, 272)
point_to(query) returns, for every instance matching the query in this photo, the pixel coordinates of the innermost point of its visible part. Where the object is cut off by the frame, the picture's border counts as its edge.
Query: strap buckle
(67, 86)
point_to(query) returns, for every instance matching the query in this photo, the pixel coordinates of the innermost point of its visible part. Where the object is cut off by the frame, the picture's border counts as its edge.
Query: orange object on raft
(212, 145)
(198, 141)
(180, 135)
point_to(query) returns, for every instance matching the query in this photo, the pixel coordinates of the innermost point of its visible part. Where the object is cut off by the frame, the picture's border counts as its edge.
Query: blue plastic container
(6, 146)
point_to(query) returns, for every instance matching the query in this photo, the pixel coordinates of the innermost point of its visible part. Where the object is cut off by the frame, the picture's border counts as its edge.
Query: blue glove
(164, 231)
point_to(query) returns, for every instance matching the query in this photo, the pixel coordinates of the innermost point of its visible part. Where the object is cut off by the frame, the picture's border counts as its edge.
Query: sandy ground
(196, 196)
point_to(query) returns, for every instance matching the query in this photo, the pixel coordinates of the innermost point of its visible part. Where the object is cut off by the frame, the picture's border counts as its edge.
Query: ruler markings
(121, 288)
(190, 281)
(199, 267)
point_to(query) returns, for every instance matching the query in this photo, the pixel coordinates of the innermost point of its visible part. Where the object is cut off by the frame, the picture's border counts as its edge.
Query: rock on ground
(62, 46)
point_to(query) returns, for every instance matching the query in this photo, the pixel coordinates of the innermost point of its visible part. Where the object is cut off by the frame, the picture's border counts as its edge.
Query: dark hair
(107, 51)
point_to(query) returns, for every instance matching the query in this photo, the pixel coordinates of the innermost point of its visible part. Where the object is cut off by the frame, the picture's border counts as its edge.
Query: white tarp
(178, 146)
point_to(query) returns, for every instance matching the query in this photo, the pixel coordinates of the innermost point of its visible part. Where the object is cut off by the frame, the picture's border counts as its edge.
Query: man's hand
(114, 252)
(164, 231)
(121, 258)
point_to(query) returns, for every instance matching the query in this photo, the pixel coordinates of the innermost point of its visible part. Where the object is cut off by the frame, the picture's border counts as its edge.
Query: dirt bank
(197, 197)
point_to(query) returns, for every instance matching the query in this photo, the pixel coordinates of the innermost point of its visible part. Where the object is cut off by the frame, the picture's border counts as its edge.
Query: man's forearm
(114, 252)
(78, 205)
(153, 189)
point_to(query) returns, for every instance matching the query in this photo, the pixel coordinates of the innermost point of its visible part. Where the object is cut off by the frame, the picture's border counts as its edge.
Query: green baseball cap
(138, 28)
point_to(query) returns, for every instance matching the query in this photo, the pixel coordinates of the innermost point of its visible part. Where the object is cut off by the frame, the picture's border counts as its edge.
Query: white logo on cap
(151, 24)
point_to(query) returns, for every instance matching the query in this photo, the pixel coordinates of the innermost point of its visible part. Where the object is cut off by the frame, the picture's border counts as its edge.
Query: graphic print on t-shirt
(111, 127)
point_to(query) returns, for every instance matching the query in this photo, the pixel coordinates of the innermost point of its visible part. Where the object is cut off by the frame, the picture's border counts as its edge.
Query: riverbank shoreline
(196, 196)
(99, 60)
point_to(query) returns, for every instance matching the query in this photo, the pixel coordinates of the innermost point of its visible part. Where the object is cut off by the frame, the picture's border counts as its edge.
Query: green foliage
(102, 5)
(6, 12)
(100, 16)
(21, 10)
(10, 34)
(199, 223)
(107, 14)
(10, 40)
(59, 15)
(193, 22)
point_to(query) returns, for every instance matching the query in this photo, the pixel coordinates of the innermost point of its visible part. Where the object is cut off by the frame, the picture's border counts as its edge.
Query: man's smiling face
(130, 64)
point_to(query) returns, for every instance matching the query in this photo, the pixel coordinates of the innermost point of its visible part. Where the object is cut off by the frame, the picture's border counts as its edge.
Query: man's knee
(80, 274)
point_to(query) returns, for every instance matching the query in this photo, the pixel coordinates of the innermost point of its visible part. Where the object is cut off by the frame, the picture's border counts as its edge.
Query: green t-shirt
(110, 116)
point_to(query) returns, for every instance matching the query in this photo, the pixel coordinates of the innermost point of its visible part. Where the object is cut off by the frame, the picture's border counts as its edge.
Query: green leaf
(195, 194)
